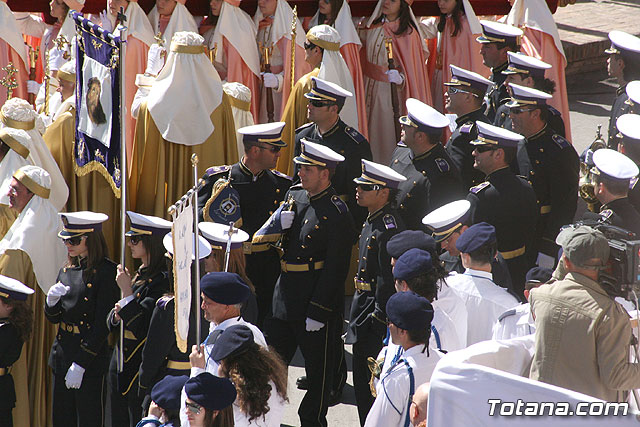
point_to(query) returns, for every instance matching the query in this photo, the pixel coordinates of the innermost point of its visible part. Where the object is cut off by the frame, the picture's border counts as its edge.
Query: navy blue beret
(405, 240)
(224, 288)
(409, 311)
(234, 340)
(475, 237)
(412, 263)
(166, 392)
(210, 392)
(538, 275)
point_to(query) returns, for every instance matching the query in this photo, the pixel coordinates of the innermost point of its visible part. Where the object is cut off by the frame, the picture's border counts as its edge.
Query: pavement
(583, 29)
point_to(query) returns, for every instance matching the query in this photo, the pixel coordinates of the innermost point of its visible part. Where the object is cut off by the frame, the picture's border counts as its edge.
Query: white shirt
(516, 322)
(485, 302)
(392, 401)
(271, 418)
(452, 304)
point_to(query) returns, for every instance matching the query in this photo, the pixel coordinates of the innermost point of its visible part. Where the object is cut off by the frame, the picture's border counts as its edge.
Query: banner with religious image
(97, 143)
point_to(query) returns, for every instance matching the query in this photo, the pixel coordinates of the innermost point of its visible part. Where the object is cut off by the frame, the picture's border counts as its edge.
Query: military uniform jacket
(260, 195)
(351, 144)
(82, 318)
(318, 247)
(368, 308)
(460, 150)
(618, 108)
(136, 315)
(10, 349)
(621, 213)
(555, 119)
(634, 193)
(432, 181)
(160, 354)
(551, 164)
(507, 202)
(498, 94)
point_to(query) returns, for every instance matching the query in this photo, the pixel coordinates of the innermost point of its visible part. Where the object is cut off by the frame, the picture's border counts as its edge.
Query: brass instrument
(586, 185)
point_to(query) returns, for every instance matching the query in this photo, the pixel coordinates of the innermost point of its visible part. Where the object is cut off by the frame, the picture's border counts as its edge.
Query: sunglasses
(308, 45)
(452, 90)
(317, 103)
(74, 241)
(194, 408)
(271, 148)
(519, 110)
(135, 239)
(485, 148)
(368, 187)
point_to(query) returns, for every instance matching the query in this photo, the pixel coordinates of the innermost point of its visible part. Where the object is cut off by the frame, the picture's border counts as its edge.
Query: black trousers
(367, 345)
(263, 268)
(78, 407)
(122, 410)
(318, 350)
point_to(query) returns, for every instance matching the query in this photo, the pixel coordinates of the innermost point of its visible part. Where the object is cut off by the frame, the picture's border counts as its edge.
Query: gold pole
(294, 26)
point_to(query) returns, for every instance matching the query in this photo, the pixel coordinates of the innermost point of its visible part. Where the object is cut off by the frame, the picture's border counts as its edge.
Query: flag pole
(123, 166)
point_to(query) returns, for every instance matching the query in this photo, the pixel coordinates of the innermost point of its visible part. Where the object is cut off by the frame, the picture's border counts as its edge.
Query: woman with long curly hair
(260, 377)
(209, 401)
(16, 323)
(79, 303)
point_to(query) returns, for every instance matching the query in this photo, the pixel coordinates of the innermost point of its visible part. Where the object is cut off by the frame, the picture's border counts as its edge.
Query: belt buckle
(246, 248)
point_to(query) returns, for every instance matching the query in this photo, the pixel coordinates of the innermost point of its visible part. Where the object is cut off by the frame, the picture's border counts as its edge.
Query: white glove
(55, 293)
(105, 21)
(73, 379)
(286, 219)
(155, 60)
(270, 80)
(313, 325)
(33, 87)
(394, 77)
(56, 60)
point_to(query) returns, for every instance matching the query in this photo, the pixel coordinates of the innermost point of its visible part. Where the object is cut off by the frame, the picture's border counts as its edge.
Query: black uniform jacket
(374, 280)
(81, 316)
(432, 181)
(136, 315)
(316, 258)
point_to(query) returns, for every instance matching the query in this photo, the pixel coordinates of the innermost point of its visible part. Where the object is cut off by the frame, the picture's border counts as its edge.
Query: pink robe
(135, 63)
(8, 54)
(410, 60)
(463, 51)
(278, 65)
(541, 45)
(238, 71)
(351, 54)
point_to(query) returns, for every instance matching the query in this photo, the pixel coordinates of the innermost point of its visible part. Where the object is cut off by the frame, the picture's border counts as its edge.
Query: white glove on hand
(56, 60)
(286, 219)
(105, 21)
(33, 87)
(155, 60)
(270, 80)
(313, 325)
(73, 379)
(395, 77)
(55, 293)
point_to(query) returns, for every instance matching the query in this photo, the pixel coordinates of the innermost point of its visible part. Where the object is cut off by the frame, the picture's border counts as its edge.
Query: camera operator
(613, 172)
(575, 316)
